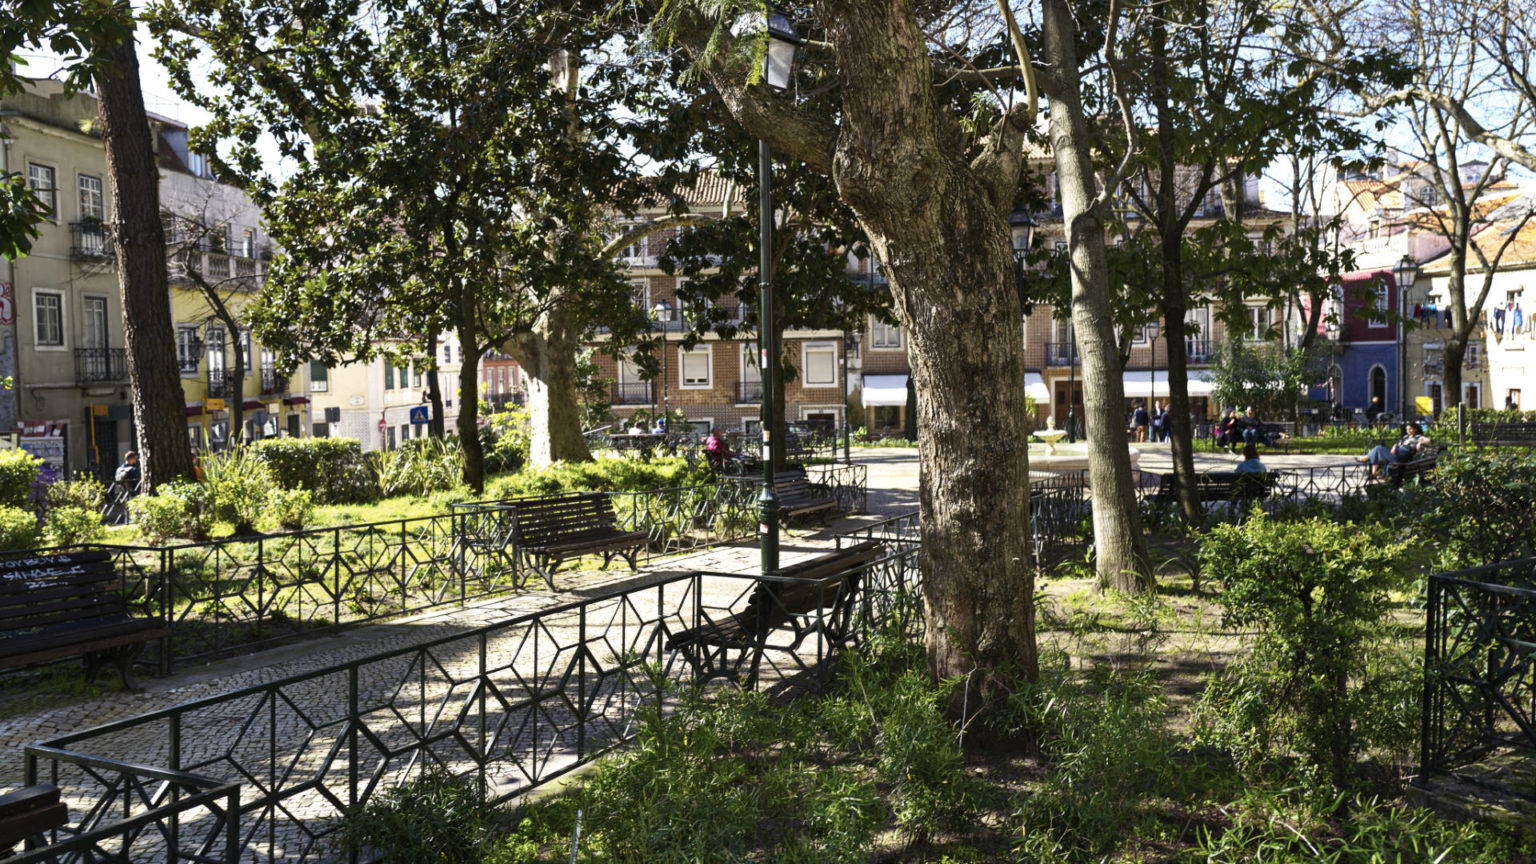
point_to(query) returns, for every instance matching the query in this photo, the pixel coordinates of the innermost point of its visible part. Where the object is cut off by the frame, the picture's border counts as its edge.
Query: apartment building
(384, 402)
(218, 256)
(60, 315)
(717, 382)
(1387, 216)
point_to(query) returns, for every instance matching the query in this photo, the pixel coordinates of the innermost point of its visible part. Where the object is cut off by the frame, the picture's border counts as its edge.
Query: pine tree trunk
(139, 241)
(1120, 548)
(1461, 330)
(548, 357)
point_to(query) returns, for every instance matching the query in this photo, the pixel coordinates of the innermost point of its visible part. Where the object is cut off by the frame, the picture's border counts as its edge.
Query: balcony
(636, 393)
(270, 383)
(1060, 354)
(506, 401)
(100, 366)
(749, 392)
(219, 384)
(90, 240)
(1199, 352)
(1434, 368)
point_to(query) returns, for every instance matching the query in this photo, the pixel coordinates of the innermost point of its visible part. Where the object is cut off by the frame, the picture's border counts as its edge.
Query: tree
(931, 195)
(456, 164)
(101, 34)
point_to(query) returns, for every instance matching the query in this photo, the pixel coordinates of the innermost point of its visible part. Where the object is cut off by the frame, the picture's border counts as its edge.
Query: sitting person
(1250, 463)
(716, 449)
(1407, 449)
(1227, 430)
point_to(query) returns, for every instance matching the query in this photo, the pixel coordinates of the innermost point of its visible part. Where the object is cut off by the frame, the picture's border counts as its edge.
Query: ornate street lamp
(778, 69)
(850, 341)
(662, 312)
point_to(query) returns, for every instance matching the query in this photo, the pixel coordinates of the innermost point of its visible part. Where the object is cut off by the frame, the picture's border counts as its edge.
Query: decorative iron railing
(1479, 711)
(100, 366)
(133, 813)
(638, 393)
(509, 706)
(1061, 354)
(749, 392)
(90, 240)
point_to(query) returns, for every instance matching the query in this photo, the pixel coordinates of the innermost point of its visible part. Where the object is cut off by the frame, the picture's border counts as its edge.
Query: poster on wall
(50, 449)
(7, 305)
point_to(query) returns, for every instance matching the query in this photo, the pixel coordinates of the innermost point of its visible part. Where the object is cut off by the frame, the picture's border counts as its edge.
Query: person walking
(1160, 423)
(1142, 422)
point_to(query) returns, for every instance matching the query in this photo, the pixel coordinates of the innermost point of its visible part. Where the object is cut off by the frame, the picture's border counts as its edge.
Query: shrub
(600, 475)
(332, 468)
(72, 526)
(290, 509)
(1481, 505)
(420, 467)
(433, 819)
(18, 529)
(1317, 593)
(87, 493)
(177, 509)
(238, 485)
(505, 439)
(18, 471)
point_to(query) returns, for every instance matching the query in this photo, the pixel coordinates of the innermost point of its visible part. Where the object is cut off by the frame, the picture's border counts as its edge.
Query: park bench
(549, 531)
(1399, 474)
(1503, 434)
(1279, 434)
(29, 812)
(792, 597)
(55, 606)
(799, 496)
(1220, 486)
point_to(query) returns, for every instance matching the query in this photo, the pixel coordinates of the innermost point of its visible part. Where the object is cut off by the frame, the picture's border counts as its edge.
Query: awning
(296, 400)
(194, 409)
(253, 404)
(1034, 388)
(1147, 385)
(885, 391)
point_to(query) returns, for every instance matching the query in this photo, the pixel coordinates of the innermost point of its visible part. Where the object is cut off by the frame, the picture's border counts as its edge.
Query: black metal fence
(1479, 711)
(508, 706)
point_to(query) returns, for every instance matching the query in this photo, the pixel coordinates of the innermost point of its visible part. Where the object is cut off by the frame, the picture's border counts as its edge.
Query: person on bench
(1406, 449)
(1250, 463)
(716, 449)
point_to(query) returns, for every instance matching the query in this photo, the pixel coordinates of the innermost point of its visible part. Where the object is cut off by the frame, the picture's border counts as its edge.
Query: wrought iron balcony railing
(749, 392)
(270, 383)
(637, 393)
(100, 366)
(90, 240)
(219, 384)
(1060, 354)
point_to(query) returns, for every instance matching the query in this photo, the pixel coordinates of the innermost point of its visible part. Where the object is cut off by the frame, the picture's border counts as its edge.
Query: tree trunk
(548, 357)
(236, 387)
(1120, 548)
(469, 409)
(139, 240)
(950, 263)
(1461, 327)
(436, 425)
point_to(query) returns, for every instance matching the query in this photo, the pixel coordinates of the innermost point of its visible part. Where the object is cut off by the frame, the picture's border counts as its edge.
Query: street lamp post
(849, 341)
(1022, 226)
(1405, 272)
(662, 312)
(778, 63)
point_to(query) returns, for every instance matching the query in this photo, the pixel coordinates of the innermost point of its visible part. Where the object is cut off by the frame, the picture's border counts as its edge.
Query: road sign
(419, 416)
(381, 424)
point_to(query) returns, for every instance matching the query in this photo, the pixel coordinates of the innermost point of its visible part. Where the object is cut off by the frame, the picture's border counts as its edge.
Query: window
(1512, 399)
(195, 435)
(48, 318)
(1473, 356)
(94, 311)
(637, 250)
(1258, 323)
(197, 163)
(695, 367)
(187, 350)
(1142, 336)
(1375, 229)
(245, 350)
(389, 438)
(884, 337)
(216, 357)
(416, 374)
(1380, 303)
(248, 243)
(319, 377)
(820, 364)
(389, 375)
(92, 201)
(447, 353)
(640, 289)
(460, 347)
(42, 180)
